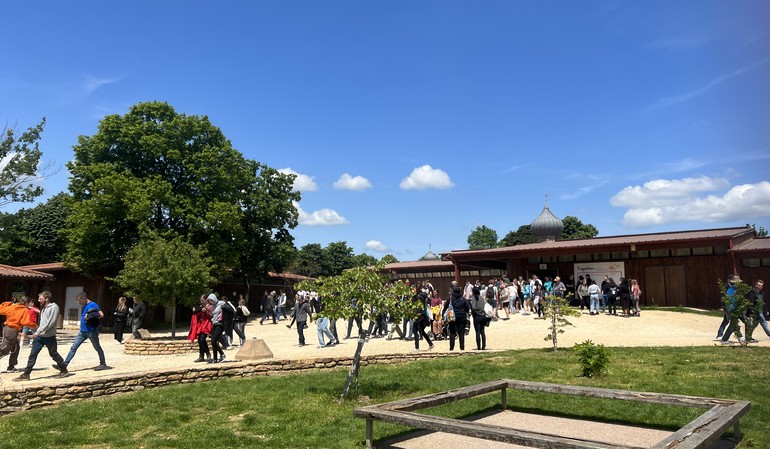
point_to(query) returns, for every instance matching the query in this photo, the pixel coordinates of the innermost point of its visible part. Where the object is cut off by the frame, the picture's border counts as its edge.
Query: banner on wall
(597, 271)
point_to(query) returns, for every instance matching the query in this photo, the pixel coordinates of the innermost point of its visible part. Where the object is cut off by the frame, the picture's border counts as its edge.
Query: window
(533, 260)
(582, 257)
(640, 255)
(719, 250)
(566, 258)
(678, 252)
(750, 263)
(766, 262)
(703, 251)
(659, 253)
(602, 256)
(619, 255)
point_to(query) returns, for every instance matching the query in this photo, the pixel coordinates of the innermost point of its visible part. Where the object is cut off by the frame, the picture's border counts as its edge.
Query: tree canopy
(482, 238)
(166, 273)
(20, 165)
(33, 236)
(314, 260)
(174, 175)
(573, 229)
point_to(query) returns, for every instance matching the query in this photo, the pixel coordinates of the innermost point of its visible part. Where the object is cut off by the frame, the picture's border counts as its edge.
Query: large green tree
(314, 260)
(175, 176)
(20, 165)
(521, 236)
(166, 273)
(33, 236)
(482, 238)
(575, 229)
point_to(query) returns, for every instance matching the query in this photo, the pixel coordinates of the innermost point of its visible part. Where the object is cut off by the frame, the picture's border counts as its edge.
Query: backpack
(449, 314)
(490, 293)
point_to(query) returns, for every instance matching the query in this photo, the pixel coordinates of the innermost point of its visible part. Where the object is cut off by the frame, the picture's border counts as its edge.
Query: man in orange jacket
(16, 317)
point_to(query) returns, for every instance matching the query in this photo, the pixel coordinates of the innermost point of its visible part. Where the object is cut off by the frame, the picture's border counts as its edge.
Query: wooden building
(672, 268)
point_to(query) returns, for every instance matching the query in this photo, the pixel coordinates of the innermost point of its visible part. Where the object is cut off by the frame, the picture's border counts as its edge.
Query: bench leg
(504, 398)
(369, 432)
(737, 430)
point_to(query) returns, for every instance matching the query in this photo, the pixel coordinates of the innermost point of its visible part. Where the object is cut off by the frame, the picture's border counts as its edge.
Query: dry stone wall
(17, 397)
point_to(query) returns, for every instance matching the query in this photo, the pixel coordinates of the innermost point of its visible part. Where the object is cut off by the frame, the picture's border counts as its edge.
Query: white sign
(597, 271)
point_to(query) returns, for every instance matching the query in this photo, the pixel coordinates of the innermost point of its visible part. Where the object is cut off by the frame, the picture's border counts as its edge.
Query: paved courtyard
(653, 328)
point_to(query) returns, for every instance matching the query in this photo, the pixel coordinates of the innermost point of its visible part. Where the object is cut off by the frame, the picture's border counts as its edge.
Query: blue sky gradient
(633, 116)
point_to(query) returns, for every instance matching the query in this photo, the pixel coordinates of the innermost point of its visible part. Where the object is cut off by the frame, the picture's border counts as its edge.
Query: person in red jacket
(16, 318)
(200, 328)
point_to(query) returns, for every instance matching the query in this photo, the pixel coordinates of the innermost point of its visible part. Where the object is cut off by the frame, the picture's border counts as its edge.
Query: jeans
(408, 333)
(723, 326)
(594, 308)
(322, 325)
(83, 336)
(457, 329)
(761, 321)
(479, 325)
(240, 329)
(603, 305)
(301, 331)
(37, 346)
(217, 331)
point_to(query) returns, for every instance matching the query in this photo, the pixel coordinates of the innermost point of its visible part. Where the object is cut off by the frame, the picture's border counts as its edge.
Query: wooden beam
(486, 431)
(654, 398)
(444, 397)
(703, 431)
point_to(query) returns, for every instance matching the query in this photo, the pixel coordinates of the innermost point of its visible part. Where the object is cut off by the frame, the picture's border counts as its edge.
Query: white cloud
(321, 217)
(302, 183)
(357, 183)
(91, 84)
(426, 177)
(376, 245)
(660, 192)
(670, 201)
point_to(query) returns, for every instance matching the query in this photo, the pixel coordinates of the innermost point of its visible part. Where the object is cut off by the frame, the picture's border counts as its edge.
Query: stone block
(254, 349)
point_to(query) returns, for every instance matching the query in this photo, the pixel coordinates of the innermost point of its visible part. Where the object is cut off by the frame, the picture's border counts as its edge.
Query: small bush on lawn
(593, 358)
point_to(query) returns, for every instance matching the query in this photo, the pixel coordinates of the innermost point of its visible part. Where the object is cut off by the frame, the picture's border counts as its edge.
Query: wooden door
(665, 286)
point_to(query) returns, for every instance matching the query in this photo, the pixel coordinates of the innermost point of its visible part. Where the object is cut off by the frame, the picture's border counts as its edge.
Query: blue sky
(412, 122)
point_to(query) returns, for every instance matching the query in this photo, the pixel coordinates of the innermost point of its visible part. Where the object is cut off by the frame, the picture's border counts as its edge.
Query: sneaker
(727, 342)
(222, 359)
(753, 341)
(11, 369)
(56, 365)
(23, 376)
(199, 359)
(64, 373)
(101, 368)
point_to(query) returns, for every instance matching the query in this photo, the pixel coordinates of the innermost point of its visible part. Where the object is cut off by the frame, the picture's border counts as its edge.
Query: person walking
(267, 307)
(120, 316)
(217, 330)
(90, 315)
(200, 328)
(138, 312)
(16, 318)
(45, 336)
(241, 315)
(420, 303)
(302, 314)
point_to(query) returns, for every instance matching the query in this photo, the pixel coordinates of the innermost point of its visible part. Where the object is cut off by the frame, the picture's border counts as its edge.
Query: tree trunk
(353, 373)
(173, 318)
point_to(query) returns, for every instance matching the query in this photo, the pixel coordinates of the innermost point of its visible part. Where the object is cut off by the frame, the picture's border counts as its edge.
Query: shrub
(594, 358)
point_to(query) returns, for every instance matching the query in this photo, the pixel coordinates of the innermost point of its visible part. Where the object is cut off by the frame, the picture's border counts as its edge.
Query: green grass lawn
(302, 411)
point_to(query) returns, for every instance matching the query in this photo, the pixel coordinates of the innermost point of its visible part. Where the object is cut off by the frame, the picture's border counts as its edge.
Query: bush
(594, 358)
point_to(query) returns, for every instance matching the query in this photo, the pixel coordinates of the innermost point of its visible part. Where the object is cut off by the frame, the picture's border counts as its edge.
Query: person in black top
(420, 301)
(461, 310)
(138, 311)
(479, 319)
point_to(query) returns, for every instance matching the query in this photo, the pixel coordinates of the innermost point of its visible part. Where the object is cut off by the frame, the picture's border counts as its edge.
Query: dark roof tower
(547, 226)
(430, 255)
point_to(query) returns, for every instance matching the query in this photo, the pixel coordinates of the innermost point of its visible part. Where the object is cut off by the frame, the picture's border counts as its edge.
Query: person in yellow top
(16, 317)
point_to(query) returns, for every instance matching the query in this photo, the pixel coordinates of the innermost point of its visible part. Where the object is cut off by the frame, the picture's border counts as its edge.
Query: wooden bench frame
(720, 415)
